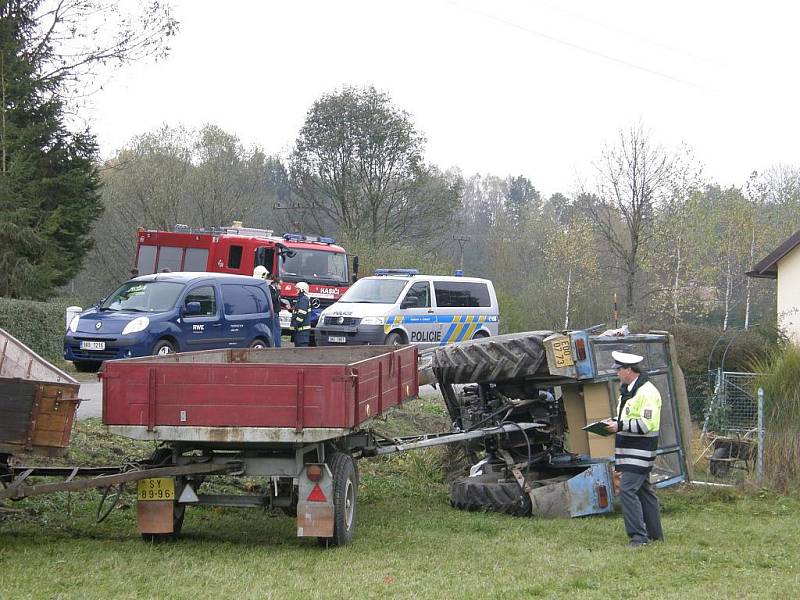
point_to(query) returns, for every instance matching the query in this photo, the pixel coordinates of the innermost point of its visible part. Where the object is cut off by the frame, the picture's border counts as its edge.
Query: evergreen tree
(48, 179)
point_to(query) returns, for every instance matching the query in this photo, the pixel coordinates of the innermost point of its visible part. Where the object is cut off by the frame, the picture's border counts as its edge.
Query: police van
(400, 306)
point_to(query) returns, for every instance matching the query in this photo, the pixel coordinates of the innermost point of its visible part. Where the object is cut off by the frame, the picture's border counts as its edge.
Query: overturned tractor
(559, 383)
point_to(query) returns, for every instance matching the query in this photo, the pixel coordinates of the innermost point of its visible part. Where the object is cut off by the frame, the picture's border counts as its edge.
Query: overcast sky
(532, 87)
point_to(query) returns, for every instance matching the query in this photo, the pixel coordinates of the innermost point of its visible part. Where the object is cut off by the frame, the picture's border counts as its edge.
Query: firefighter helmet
(302, 286)
(260, 272)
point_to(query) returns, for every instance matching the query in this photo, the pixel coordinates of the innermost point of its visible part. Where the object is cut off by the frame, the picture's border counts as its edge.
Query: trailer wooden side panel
(17, 360)
(258, 389)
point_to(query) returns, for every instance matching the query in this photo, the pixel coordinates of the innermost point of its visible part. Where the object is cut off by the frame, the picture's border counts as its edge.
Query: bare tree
(633, 177)
(78, 38)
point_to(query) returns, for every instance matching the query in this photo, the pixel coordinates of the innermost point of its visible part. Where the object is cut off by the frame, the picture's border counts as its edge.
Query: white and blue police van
(400, 306)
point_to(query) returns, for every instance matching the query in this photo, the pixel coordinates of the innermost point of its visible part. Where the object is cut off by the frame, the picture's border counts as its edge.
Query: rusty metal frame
(17, 491)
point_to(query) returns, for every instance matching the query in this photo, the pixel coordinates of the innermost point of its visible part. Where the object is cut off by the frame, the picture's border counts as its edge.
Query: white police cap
(623, 359)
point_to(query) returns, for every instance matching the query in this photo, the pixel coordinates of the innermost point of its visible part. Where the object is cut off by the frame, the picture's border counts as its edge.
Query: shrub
(781, 384)
(38, 325)
(702, 347)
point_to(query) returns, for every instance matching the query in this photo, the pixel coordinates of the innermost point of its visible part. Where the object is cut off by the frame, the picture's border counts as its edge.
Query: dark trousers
(276, 332)
(302, 338)
(640, 509)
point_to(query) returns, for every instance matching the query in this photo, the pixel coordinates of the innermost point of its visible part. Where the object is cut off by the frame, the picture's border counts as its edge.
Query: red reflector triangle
(317, 495)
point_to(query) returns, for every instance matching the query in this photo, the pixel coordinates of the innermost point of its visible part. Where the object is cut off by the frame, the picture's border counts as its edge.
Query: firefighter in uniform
(301, 317)
(636, 426)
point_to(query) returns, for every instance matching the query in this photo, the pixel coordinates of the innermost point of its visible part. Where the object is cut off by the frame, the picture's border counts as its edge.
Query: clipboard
(597, 428)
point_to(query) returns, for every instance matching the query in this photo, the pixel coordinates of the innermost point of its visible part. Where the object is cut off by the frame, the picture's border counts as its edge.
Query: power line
(636, 36)
(578, 47)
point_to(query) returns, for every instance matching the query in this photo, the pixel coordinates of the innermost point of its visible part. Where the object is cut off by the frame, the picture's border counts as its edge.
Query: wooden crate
(36, 417)
(37, 401)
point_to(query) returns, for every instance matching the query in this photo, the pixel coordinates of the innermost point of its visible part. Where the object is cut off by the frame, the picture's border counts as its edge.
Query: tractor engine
(485, 405)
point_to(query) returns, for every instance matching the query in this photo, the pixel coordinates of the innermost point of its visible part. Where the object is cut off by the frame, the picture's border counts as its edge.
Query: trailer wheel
(490, 359)
(490, 493)
(345, 488)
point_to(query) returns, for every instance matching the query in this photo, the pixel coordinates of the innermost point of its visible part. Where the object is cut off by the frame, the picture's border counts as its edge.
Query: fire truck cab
(294, 257)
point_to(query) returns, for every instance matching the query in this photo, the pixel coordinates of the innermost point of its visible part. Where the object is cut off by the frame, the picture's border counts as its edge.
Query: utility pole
(462, 240)
(295, 224)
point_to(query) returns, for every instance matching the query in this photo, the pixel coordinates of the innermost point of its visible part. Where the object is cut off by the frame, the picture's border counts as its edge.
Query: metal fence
(733, 406)
(729, 410)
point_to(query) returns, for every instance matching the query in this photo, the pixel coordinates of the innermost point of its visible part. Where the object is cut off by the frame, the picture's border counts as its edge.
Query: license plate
(156, 488)
(562, 353)
(93, 345)
(335, 339)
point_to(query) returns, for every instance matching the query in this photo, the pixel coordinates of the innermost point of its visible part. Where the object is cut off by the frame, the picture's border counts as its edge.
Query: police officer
(636, 426)
(301, 317)
(262, 272)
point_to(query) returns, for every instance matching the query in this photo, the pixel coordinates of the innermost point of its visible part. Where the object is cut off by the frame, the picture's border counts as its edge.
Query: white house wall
(789, 294)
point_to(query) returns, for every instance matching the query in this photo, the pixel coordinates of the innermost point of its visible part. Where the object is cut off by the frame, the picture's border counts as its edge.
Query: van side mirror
(191, 308)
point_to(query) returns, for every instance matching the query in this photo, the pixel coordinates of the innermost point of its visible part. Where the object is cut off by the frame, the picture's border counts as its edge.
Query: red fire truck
(294, 257)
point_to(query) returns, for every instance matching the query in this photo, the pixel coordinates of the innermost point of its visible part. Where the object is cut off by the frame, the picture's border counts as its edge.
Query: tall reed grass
(781, 384)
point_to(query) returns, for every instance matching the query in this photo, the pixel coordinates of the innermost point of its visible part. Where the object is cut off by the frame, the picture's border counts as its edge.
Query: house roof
(767, 267)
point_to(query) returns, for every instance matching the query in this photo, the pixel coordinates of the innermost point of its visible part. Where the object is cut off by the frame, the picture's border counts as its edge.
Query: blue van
(172, 312)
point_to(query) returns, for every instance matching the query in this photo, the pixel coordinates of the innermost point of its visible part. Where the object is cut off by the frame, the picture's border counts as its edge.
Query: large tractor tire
(491, 359)
(490, 493)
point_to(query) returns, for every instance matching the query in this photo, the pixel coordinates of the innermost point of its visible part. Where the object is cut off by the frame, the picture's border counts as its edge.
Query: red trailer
(294, 416)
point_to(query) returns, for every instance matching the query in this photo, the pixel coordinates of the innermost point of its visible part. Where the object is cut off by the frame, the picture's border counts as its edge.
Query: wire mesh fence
(725, 406)
(698, 390)
(733, 406)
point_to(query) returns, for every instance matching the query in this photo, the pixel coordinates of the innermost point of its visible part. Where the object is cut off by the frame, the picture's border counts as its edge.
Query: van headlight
(138, 324)
(73, 325)
(373, 320)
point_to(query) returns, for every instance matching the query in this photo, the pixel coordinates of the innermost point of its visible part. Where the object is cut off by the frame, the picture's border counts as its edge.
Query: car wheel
(87, 366)
(164, 347)
(394, 339)
(259, 344)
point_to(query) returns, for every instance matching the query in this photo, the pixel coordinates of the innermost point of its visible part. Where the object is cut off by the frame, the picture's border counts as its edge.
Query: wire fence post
(760, 455)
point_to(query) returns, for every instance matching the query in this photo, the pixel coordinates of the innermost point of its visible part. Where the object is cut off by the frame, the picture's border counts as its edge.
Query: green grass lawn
(409, 543)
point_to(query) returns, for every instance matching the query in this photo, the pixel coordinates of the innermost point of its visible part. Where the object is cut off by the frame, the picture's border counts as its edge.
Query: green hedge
(38, 325)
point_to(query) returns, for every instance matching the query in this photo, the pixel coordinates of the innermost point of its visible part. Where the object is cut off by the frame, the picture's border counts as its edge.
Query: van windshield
(374, 291)
(143, 296)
